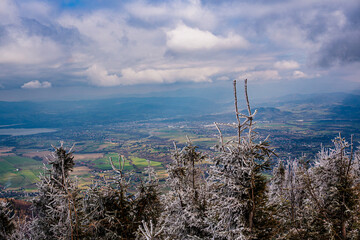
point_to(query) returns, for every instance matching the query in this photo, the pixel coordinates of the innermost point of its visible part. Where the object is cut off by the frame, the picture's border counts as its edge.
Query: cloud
(264, 75)
(202, 74)
(36, 84)
(299, 74)
(9, 13)
(111, 43)
(26, 40)
(192, 12)
(102, 29)
(284, 65)
(326, 34)
(99, 76)
(35, 9)
(23, 49)
(184, 38)
(342, 50)
(285, 37)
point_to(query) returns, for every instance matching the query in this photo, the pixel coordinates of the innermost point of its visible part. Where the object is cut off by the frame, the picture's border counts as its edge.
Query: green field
(104, 163)
(20, 172)
(17, 172)
(142, 163)
(130, 163)
(155, 143)
(176, 135)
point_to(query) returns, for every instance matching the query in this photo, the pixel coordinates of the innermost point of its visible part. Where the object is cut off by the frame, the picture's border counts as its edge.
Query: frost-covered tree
(287, 196)
(22, 231)
(113, 212)
(108, 206)
(239, 207)
(186, 202)
(332, 188)
(56, 206)
(150, 233)
(147, 203)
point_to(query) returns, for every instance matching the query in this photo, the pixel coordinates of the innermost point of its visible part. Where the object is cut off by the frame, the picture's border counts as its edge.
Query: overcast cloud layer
(49, 44)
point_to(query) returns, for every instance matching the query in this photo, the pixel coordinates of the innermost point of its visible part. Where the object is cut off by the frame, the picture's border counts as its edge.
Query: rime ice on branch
(239, 201)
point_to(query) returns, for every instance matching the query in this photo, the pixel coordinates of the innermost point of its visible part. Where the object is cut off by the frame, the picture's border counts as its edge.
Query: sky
(94, 48)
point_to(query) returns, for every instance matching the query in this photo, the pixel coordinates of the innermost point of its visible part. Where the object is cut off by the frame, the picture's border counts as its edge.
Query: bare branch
(351, 155)
(72, 148)
(220, 133)
(188, 139)
(237, 113)
(247, 97)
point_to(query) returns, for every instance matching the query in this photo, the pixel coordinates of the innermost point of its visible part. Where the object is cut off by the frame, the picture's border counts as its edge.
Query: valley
(296, 128)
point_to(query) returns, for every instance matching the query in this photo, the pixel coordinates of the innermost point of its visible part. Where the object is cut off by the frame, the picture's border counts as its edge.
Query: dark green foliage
(6, 224)
(147, 205)
(112, 212)
(264, 222)
(118, 217)
(62, 164)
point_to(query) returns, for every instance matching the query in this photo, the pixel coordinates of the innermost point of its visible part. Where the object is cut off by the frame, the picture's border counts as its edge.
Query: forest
(241, 191)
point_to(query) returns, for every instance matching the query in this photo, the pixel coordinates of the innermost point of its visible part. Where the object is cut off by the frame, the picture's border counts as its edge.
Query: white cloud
(103, 28)
(99, 76)
(223, 78)
(36, 84)
(184, 38)
(299, 74)
(24, 49)
(8, 12)
(261, 75)
(153, 41)
(284, 65)
(109, 40)
(192, 12)
(201, 74)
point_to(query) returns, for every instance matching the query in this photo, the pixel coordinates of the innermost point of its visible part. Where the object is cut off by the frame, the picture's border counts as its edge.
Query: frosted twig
(220, 133)
(237, 113)
(247, 98)
(351, 154)
(149, 234)
(72, 148)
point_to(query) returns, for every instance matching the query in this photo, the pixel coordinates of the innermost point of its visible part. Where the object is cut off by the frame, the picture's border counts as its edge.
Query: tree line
(232, 198)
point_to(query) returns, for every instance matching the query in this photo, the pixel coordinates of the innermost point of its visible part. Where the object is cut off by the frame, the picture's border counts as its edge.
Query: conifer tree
(287, 197)
(151, 233)
(56, 206)
(186, 202)
(108, 206)
(239, 207)
(6, 224)
(147, 204)
(332, 188)
(112, 212)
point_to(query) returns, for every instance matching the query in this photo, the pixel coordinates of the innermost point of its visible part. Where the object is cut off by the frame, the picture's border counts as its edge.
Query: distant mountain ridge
(91, 112)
